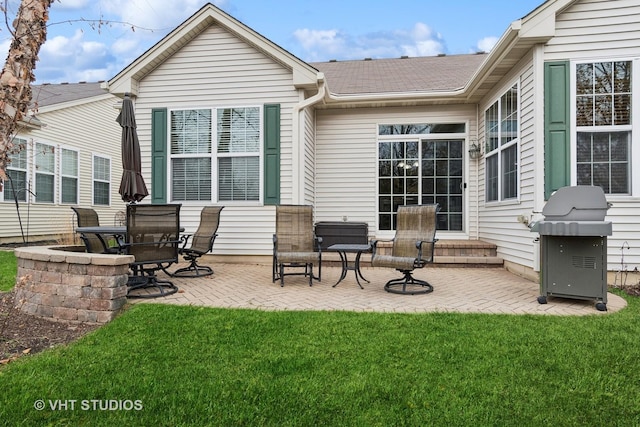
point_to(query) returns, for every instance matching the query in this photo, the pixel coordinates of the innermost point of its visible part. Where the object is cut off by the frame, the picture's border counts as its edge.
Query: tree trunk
(29, 34)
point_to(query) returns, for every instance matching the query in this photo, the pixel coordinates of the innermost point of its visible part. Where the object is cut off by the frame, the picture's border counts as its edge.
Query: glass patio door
(422, 171)
(442, 180)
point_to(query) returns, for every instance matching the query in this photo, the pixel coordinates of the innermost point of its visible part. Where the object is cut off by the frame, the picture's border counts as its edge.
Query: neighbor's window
(502, 137)
(101, 180)
(45, 172)
(215, 160)
(69, 176)
(603, 124)
(17, 170)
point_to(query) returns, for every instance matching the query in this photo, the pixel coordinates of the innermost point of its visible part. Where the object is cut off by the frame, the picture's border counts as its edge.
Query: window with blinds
(603, 104)
(17, 171)
(215, 159)
(45, 172)
(69, 176)
(101, 180)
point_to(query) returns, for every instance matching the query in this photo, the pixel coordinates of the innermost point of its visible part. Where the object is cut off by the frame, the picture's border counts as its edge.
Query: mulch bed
(22, 334)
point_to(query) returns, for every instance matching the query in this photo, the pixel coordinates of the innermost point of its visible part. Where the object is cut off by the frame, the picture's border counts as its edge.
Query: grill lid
(577, 203)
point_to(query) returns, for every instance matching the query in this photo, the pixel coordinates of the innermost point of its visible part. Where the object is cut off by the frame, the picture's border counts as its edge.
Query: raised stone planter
(65, 283)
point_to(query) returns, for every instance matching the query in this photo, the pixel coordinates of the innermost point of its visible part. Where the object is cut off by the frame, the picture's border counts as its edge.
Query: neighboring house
(227, 117)
(70, 157)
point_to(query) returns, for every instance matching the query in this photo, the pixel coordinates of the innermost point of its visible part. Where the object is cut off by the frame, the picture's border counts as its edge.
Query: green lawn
(8, 268)
(160, 365)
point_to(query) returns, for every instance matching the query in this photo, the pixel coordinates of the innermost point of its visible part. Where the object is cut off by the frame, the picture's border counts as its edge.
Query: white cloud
(322, 45)
(72, 59)
(70, 4)
(487, 43)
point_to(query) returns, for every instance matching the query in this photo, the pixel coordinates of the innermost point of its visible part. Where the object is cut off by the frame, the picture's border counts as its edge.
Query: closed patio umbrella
(132, 186)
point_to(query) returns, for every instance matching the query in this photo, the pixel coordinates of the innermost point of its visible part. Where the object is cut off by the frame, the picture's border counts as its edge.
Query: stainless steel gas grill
(573, 245)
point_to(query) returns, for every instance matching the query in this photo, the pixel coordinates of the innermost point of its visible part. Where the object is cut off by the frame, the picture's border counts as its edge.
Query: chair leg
(281, 275)
(193, 270)
(150, 281)
(408, 285)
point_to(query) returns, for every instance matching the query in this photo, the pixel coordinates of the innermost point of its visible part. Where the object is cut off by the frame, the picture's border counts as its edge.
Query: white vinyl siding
(596, 31)
(347, 161)
(218, 70)
(596, 28)
(93, 130)
(498, 222)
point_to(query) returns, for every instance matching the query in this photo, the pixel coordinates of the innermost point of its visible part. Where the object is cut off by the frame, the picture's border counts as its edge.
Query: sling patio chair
(93, 242)
(295, 244)
(201, 243)
(413, 247)
(153, 238)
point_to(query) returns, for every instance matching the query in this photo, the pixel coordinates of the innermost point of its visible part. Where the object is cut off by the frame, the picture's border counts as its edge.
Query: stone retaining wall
(65, 283)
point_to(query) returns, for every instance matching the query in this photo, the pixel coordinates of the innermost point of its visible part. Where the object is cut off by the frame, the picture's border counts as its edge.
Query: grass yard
(8, 268)
(177, 366)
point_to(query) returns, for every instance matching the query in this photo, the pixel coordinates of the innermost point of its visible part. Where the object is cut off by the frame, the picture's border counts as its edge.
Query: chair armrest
(184, 238)
(374, 245)
(318, 240)
(419, 244)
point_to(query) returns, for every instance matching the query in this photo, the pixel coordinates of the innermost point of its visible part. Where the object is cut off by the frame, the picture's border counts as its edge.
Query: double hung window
(17, 171)
(215, 154)
(69, 176)
(101, 180)
(502, 138)
(45, 172)
(603, 101)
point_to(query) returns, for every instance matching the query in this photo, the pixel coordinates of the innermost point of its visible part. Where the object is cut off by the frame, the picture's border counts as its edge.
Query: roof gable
(304, 76)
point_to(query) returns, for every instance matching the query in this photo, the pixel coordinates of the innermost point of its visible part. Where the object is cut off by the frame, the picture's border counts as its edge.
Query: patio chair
(201, 243)
(94, 243)
(413, 247)
(153, 238)
(295, 244)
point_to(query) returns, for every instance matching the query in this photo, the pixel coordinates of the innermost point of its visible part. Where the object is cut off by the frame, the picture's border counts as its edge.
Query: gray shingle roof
(51, 94)
(421, 74)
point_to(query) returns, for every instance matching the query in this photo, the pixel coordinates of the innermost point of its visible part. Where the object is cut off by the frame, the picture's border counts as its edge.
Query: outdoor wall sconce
(474, 151)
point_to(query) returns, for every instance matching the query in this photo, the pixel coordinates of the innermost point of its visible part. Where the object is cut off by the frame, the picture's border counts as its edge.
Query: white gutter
(297, 142)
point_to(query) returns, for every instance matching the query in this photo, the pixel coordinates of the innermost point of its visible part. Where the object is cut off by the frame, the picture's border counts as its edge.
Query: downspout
(478, 172)
(298, 146)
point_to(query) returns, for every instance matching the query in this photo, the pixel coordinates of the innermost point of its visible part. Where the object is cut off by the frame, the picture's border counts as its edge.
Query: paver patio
(463, 290)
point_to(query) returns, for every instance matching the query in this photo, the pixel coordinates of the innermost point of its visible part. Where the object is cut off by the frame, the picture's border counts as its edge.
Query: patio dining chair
(413, 247)
(201, 243)
(153, 238)
(94, 243)
(295, 244)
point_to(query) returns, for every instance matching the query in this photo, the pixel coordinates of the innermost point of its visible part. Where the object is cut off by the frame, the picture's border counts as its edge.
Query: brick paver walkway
(464, 290)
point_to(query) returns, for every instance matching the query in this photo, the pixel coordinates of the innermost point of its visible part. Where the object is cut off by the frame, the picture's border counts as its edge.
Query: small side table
(343, 249)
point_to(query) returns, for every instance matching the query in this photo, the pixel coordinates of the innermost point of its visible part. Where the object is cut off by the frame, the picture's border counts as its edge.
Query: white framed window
(502, 136)
(101, 180)
(45, 173)
(69, 176)
(215, 154)
(17, 171)
(602, 112)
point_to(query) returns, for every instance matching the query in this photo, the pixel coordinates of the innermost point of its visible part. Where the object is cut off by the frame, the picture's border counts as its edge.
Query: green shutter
(159, 155)
(272, 154)
(557, 159)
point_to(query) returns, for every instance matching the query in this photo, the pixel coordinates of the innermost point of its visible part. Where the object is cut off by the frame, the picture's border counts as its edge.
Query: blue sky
(78, 48)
